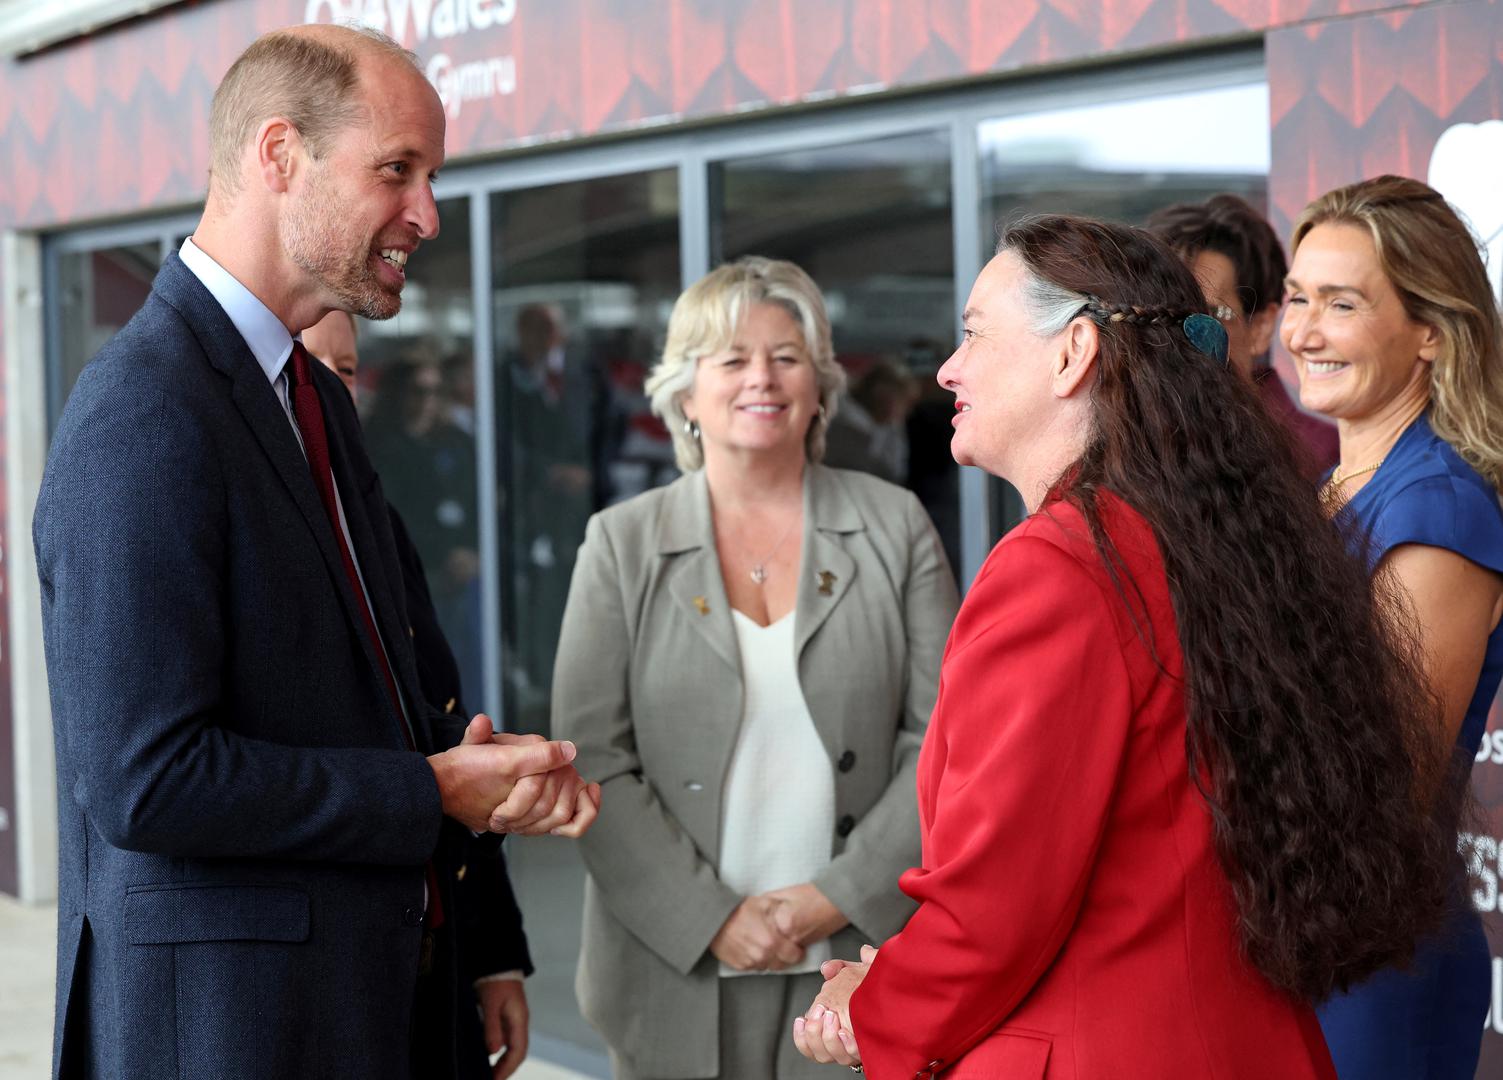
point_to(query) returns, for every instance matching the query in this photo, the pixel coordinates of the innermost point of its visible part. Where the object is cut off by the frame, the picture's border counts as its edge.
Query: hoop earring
(691, 429)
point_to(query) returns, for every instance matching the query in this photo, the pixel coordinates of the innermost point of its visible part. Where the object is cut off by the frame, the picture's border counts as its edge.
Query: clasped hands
(505, 783)
(825, 1033)
(770, 931)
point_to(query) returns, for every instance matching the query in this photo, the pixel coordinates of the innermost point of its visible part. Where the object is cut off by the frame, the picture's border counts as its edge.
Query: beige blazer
(648, 685)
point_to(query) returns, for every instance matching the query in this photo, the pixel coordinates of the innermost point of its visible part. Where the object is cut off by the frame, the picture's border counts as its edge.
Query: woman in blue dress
(1394, 330)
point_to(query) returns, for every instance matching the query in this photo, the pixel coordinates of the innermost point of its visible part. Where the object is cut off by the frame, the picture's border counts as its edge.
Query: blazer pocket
(1004, 1056)
(181, 913)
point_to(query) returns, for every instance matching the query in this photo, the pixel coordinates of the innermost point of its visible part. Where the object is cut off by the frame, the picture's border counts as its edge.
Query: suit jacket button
(844, 826)
(847, 761)
(694, 785)
(412, 917)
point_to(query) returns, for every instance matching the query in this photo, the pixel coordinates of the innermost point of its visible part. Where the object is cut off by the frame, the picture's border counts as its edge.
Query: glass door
(584, 274)
(871, 223)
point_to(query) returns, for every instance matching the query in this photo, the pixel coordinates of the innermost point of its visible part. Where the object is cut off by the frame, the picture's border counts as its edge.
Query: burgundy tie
(310, 422)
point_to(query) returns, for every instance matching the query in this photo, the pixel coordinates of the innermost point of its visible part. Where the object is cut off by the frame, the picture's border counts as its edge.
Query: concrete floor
(28, 938)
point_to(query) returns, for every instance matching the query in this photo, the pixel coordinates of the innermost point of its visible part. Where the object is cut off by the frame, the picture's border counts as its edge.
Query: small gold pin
(461, 872)
(701, 606)
(826, 583)
(450, 707)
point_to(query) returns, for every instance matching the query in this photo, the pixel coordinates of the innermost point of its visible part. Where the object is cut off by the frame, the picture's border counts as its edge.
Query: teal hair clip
(1207, 335)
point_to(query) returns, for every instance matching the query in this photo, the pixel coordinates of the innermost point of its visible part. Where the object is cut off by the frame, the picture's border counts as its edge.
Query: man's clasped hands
(504, 783)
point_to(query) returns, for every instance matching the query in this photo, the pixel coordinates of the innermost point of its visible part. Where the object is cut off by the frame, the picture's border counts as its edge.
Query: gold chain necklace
(1330, 491)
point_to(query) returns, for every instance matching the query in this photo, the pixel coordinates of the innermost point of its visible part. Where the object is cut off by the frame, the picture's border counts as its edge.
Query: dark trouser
(434, 1009)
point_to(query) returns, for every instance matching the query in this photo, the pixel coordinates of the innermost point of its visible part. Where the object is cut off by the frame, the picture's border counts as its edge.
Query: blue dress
(1425, 1023)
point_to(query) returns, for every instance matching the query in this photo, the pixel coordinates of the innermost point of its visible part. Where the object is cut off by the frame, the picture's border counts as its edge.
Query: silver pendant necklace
(759, 569)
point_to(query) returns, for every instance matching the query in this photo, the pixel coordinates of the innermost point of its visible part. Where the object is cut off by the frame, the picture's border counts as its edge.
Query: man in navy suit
(259, 814)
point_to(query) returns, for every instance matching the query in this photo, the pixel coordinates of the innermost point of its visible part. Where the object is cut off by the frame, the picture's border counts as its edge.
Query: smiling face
(355, 216)
(1001, 375)
(760, 395)
(1356, 350)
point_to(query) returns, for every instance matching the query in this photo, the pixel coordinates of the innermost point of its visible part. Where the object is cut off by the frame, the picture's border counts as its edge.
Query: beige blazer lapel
(686, 535)
(827, 570)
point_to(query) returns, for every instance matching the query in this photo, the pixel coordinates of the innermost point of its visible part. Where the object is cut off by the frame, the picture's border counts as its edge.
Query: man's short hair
(307, 78)
(1228, 225)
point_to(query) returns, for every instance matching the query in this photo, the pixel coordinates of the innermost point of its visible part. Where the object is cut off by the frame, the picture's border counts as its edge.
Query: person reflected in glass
(555, 407)
(869, 432)
(747, 665)
(1394, 331)
(932, 474)
(1237, 257)
(428, 469)
(1149, 840)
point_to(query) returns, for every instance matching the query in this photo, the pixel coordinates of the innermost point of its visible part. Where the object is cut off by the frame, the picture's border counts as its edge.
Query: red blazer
(1074, 921)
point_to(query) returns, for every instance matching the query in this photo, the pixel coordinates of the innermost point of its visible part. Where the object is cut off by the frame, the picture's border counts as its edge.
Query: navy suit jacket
(243, 829)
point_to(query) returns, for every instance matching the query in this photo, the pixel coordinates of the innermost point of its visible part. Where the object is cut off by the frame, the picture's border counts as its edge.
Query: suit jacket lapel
(253, 395)
(826, 571)
(686, 535)
(257, 401)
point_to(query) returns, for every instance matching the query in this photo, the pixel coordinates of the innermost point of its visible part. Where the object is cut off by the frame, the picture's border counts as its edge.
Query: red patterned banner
(117, 123)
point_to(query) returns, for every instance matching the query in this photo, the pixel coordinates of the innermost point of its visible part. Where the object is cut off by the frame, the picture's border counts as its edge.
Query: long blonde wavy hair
(1435, 263)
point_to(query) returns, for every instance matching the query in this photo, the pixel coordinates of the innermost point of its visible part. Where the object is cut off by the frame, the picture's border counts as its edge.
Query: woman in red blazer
(1168, 794)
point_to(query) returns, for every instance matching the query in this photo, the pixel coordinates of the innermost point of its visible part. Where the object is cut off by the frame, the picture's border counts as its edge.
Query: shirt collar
(268, 339)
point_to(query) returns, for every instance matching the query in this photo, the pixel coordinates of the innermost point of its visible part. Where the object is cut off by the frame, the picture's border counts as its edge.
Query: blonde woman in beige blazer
(747, 664)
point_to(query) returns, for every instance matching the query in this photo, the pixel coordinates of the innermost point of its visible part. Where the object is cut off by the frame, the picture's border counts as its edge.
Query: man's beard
(313, 241)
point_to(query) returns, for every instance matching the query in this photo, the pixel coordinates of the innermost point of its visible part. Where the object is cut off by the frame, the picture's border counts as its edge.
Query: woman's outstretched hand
(825, 1033)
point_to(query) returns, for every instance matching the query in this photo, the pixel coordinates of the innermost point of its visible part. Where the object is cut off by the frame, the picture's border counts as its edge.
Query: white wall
(35, 814)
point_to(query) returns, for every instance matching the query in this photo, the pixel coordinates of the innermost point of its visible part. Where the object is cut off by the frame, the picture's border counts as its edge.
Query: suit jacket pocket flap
(180, 913)
(1004, 1054)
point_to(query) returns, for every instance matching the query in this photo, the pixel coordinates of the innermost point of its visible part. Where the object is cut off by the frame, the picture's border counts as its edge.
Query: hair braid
(1135, 314)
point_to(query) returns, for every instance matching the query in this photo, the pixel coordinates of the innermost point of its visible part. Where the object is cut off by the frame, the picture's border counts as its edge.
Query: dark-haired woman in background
(1394, 331)
(1237, 257)
(1163, 806)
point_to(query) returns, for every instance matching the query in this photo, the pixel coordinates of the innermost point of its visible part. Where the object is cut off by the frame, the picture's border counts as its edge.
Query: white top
(779, 811)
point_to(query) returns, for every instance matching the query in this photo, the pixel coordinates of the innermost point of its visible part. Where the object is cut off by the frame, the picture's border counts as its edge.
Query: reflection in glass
(584, 274)
(98, 292)
(871, 223)
(1123, 160)
(417, 405)
(1120, 160)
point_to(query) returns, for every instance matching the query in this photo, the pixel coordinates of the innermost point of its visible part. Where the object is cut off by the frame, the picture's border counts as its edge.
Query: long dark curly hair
(1311, 731)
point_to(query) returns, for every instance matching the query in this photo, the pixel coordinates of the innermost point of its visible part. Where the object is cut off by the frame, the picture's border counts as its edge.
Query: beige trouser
(756, 1030)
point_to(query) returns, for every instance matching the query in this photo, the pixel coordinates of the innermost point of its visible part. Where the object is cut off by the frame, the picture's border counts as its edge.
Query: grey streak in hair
(1050, 307)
